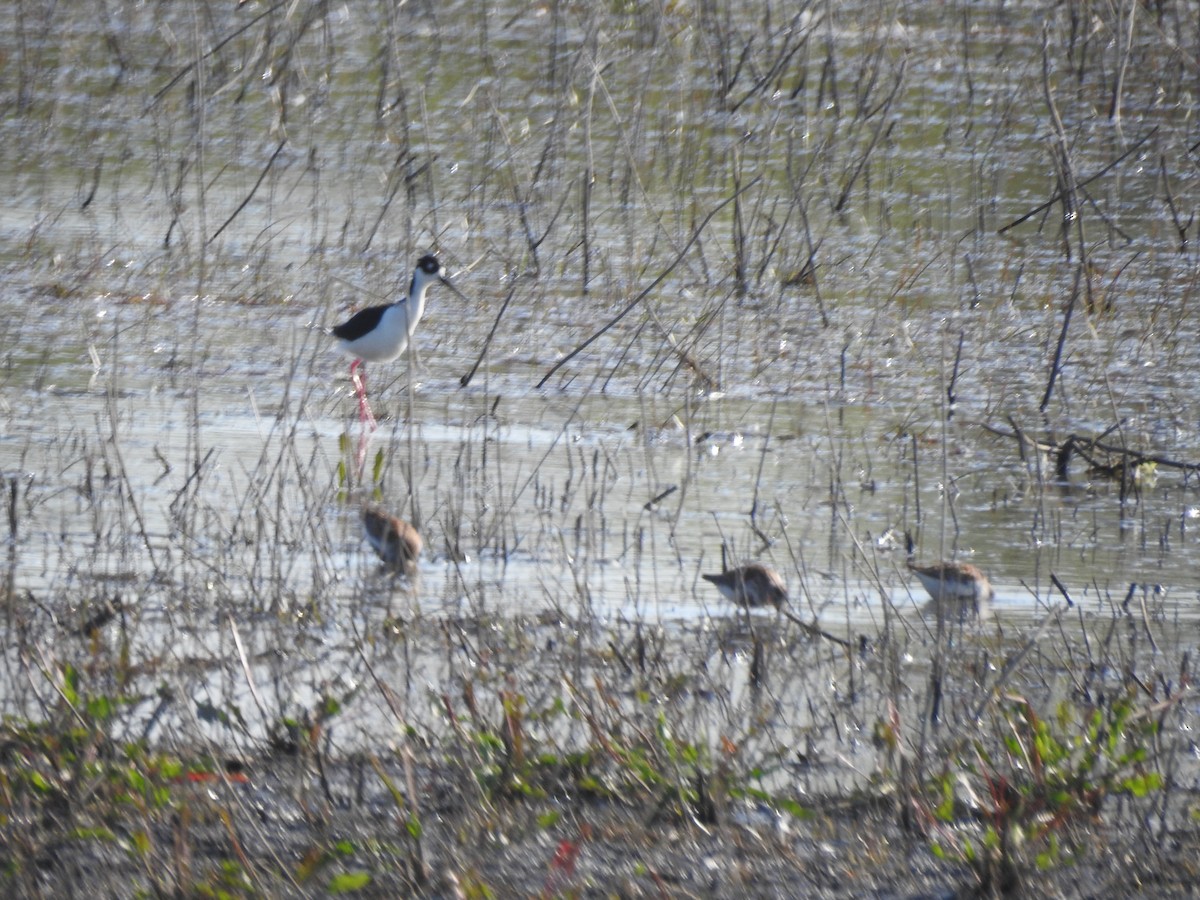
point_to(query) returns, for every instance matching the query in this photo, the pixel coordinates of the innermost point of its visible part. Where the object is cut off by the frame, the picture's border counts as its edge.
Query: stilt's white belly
(387, 341)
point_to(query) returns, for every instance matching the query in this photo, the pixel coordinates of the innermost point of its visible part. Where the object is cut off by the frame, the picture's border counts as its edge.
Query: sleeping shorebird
(751, 586)
(381, 333)
(955, 583)
(395, 541)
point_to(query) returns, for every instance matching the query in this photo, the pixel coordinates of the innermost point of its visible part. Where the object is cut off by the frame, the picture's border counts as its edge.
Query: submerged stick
(950, 396)
(1080, 184)
(815, 630)
(682, 353)
(250, 196)
(466, 379)
(1062, 339)
(1062, 589)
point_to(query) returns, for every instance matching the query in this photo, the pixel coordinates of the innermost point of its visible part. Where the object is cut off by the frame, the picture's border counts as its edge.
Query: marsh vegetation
(742, 282)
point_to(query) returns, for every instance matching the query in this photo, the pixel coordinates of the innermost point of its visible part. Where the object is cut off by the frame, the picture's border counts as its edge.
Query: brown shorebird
(396, 542)
(758, 585)
(751, 586)
(960, 583)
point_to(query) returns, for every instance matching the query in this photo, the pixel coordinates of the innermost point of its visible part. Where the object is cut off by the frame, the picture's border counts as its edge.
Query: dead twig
(161, 92)
(466, 379)
(1080, 184)
(1056, 366)
(250, 196)
(695, 236)
(815, 630)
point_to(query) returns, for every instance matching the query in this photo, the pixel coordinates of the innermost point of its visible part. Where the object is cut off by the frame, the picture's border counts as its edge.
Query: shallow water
(174, 417)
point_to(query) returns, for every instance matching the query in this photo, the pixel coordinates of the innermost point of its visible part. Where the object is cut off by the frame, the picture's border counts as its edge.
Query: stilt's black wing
(360, 324)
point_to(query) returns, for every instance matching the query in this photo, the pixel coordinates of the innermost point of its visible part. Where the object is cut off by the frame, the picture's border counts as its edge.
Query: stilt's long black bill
(450, 284)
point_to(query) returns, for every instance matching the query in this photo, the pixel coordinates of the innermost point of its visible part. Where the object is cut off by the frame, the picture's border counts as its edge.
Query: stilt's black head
(430, 269)
(430, 266)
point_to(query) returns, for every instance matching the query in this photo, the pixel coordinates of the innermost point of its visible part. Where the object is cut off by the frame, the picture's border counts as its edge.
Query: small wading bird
(394, 540)
(756, 585)
(955, 583)
(381, 333)
(751, 586)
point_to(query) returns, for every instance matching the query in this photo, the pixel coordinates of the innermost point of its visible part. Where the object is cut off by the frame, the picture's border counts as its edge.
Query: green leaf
(348, 882)
(795, 809)
(70, 684)
(100, 708)
(93, 834)
(549, 820)
(1048, 857)
(414, 827)
(488, 741)
(1141, 785)
(136, 780)
(945, 809)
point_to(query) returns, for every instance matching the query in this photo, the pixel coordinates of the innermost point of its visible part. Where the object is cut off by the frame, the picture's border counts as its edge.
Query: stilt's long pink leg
(365, 416)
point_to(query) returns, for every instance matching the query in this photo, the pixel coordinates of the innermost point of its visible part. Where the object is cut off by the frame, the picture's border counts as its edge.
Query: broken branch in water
(1121, 459)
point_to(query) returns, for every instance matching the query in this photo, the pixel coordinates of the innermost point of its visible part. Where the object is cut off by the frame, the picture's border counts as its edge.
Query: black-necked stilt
(955, 582)
(381, 333)
(751, 586)
(397, 543)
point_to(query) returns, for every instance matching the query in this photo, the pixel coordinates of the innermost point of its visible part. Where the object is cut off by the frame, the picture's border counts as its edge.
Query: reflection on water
(549, 508)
